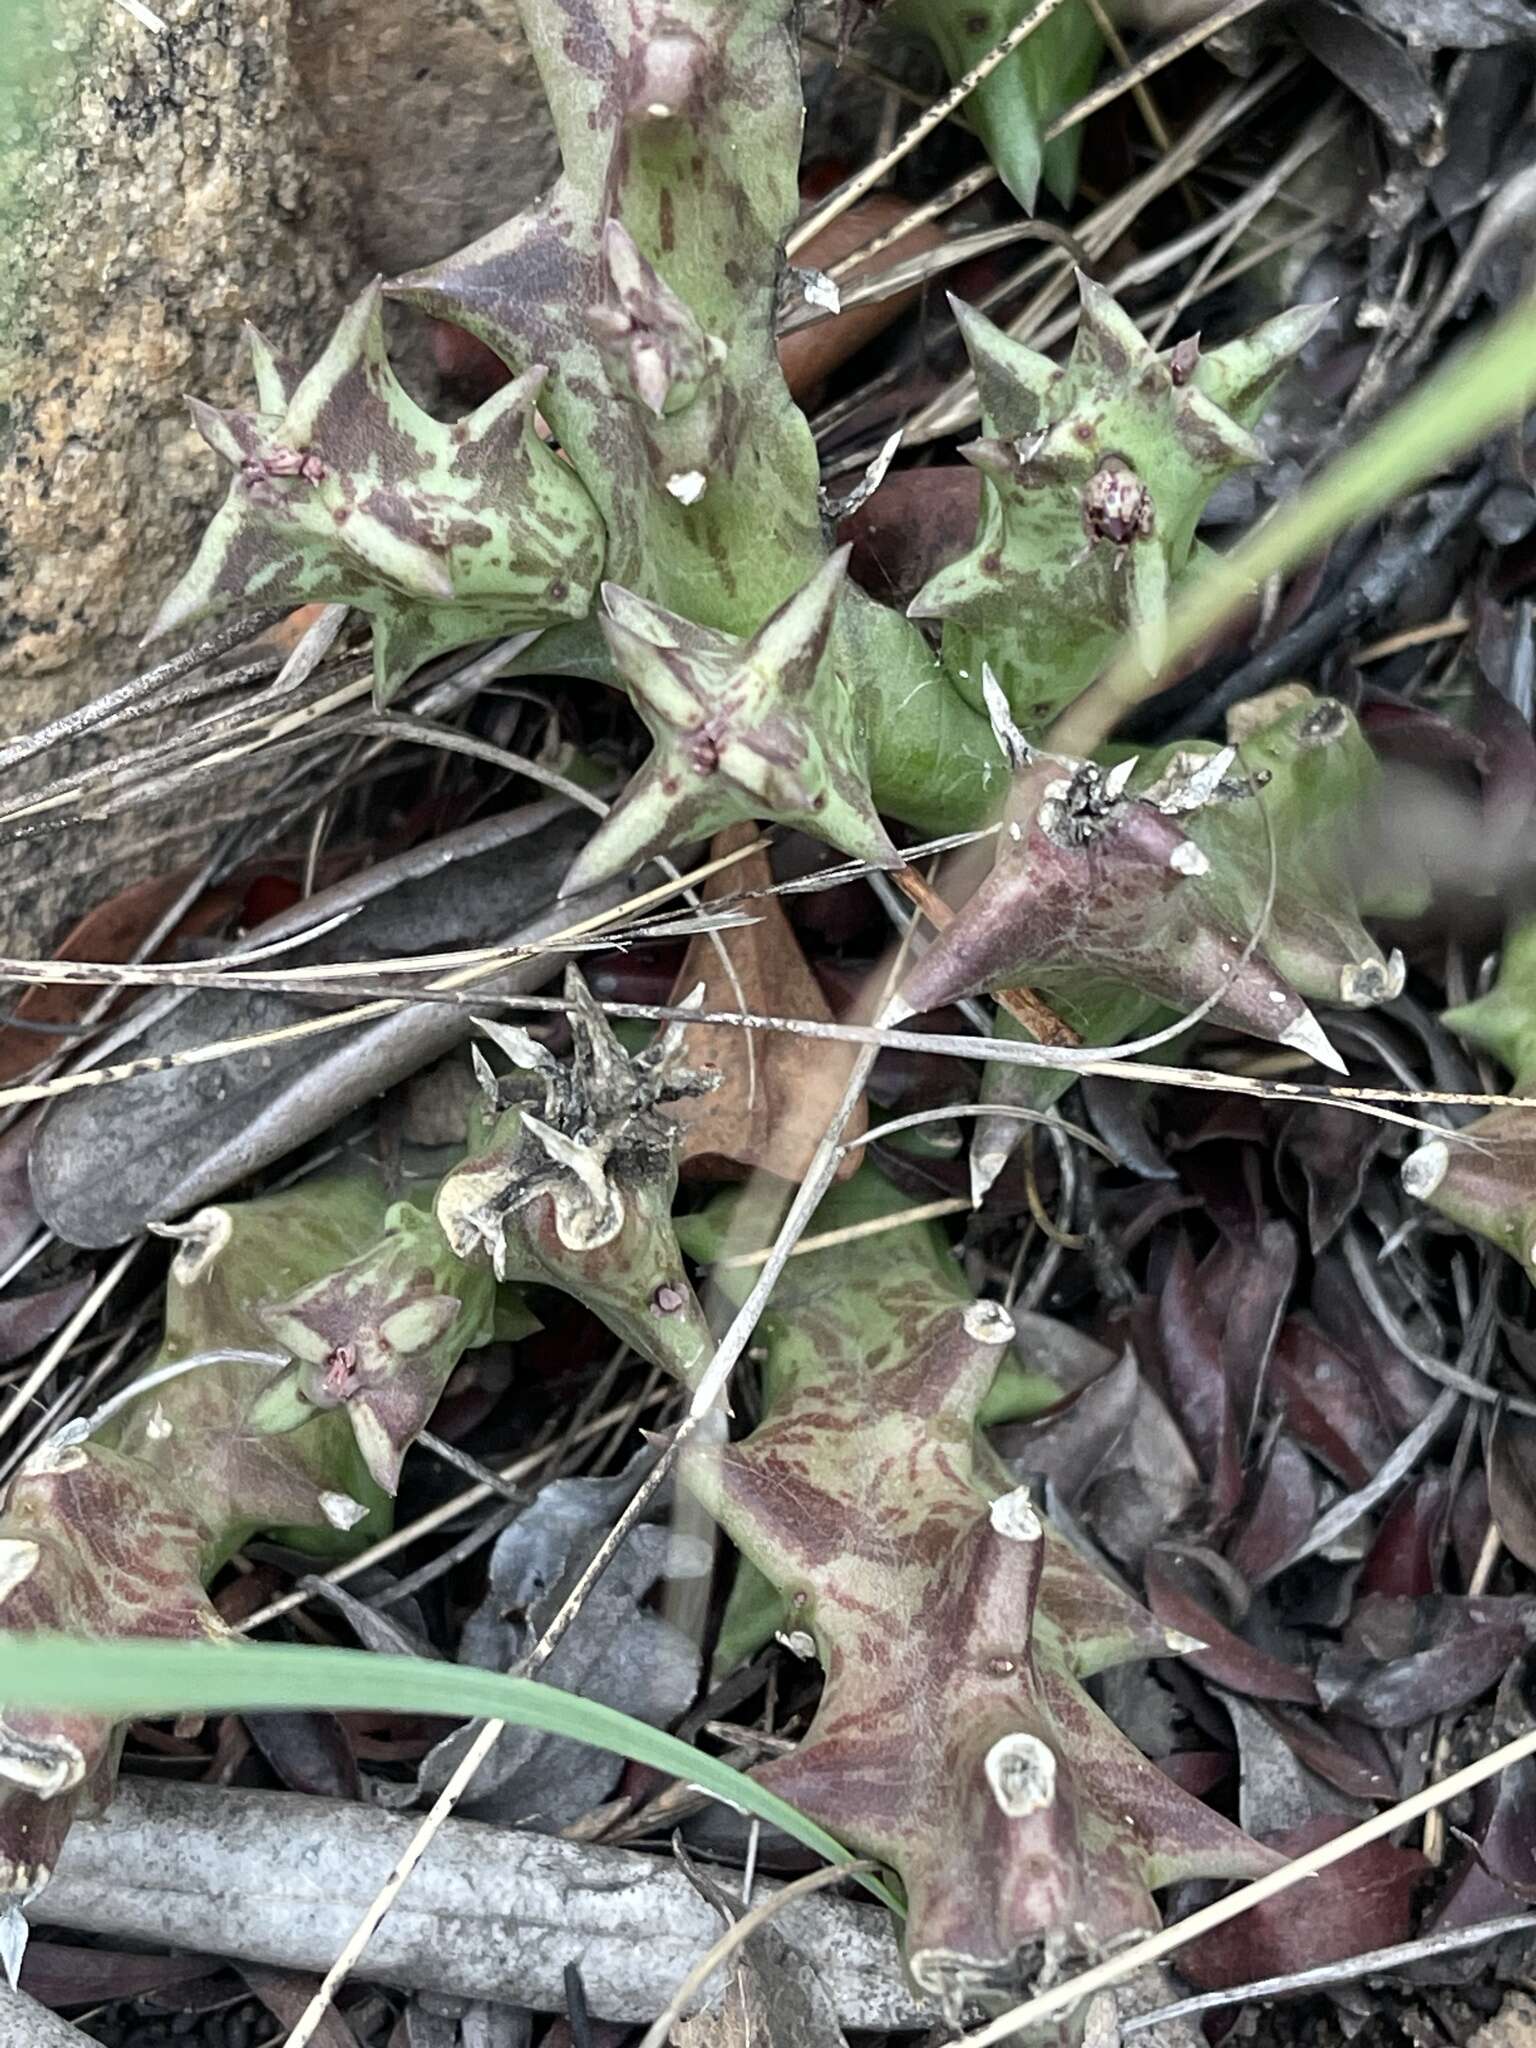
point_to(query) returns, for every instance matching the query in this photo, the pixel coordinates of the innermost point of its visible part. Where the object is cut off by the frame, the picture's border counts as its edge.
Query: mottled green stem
(953, 1740)
(117, 1524)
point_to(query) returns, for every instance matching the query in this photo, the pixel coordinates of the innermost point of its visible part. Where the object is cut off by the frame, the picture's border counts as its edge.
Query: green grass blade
(127, 1680)
(1479, 388)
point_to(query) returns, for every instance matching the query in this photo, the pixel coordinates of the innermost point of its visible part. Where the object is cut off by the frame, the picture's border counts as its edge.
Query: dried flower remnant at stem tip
(580, 1196)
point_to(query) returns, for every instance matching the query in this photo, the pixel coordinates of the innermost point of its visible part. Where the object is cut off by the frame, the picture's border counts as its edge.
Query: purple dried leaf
(1223, 1655)
(1280, 1515)
(1512, 1483)
(1362, 1903)
(1405, 1660)
(1327, 1403)
(1401, 1561)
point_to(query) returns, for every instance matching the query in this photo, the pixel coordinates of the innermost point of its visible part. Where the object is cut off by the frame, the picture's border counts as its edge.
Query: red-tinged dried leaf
(110, 932)
(777, 1092)
(1363, 1903)
(1473, 1895)
(1282, 1512)
(1253, 1282)
(310, 1752)
(59, 1976)
(1121, 1111)
(1327, 1403)
(286, 1993)
(1404, 1660)
(1237, 1119)
(1330, 1151)
(1508, 764)
(1189, 1336)
(1199, 1771)
(1512, 1483)
(27, 1320)
(1471, 1518)
(1402, 1394)
(1352, 1760)
(1171, 1594)
(1410, 733)
(1227, 1180)
(1401, 1561)
(918, 520)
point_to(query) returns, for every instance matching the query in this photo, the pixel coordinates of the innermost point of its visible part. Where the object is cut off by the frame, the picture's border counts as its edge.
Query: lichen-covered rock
(155, 191)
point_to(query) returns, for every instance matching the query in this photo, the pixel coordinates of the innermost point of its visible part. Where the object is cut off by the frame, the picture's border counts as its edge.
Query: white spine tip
(1306, 1035)
(987, 1162)
(342, 1511)
(1013, 1516)
(1187, 859)
(988, 1322)
(1022, 1774)
(798, 1641)
(1181, 1645)
(18, 1561)
(1424, 1170)
(13, 1941)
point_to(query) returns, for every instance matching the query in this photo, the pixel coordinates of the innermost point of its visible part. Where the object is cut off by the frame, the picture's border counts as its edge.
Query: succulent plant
(953, 1740)
(346, 491)
(643, 495)
(1092, 879)
(1299, 795)
(1095, 476)
(115, 1526)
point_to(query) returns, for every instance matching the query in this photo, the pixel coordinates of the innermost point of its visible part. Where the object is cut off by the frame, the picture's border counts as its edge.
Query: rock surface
(256, 160)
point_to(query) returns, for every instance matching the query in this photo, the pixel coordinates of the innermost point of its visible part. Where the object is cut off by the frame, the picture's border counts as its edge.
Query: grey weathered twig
(273, 1877)
(26, 2024)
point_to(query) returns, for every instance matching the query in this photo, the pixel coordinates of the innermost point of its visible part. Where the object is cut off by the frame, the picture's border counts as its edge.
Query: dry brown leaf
(776, 1091)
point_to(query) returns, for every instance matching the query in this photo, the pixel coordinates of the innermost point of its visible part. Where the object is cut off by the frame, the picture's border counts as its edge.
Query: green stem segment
(115, 1530)
(953, 1740)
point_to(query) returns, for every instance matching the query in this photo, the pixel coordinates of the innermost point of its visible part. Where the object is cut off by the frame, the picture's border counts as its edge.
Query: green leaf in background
(128, 1680)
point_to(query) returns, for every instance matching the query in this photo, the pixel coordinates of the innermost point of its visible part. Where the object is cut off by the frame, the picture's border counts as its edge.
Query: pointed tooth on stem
(1305, 1034)
(14, 1933)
